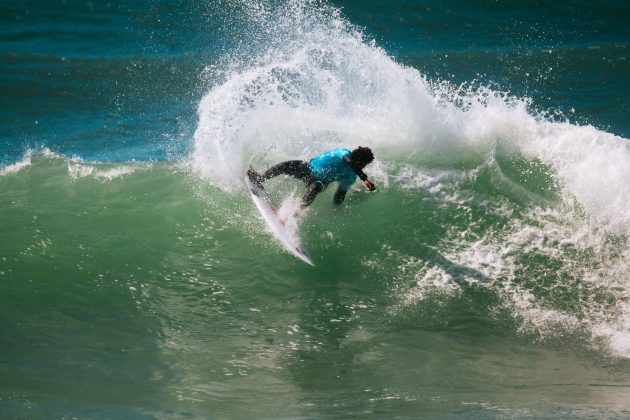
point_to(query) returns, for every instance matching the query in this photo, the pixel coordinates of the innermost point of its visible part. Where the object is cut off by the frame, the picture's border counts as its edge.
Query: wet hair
(361, 156)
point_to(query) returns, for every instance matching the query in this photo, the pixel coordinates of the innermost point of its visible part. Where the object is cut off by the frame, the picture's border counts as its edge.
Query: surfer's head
(361, 156)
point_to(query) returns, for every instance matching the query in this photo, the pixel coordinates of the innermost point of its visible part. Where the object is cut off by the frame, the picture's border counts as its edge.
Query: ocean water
(486, 278)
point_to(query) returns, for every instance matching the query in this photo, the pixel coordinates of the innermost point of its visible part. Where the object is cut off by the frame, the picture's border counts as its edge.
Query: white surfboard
(269, 214)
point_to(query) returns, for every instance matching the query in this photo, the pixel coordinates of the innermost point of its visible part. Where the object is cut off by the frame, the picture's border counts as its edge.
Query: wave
(555, 193)
(17, 166)
(76, 166)
(479, 189)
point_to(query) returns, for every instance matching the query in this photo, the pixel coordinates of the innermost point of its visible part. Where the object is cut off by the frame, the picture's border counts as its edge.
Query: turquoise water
(486, 278)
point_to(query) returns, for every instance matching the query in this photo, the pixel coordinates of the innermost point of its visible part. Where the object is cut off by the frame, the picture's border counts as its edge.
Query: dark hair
(361, 156)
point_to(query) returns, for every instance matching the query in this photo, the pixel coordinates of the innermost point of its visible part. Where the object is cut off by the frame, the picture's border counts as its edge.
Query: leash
(264, 155)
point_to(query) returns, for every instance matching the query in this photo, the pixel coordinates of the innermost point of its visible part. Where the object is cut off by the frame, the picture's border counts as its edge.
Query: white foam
(593, 165)
(27, 160)
(80, 169)
(588, 264)
(17, 166)
(291, 213)
(617, 334)
(77, 167)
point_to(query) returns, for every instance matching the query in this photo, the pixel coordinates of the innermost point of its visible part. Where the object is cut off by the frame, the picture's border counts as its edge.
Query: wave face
(137, 280)
(517, 184)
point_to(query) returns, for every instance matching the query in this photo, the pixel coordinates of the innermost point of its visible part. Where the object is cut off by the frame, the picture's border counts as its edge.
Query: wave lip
(593, 166)
(76, 167)
(25, 162)
(80, 169)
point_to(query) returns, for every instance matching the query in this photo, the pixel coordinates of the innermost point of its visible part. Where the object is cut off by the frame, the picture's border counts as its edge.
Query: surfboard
(282, 233)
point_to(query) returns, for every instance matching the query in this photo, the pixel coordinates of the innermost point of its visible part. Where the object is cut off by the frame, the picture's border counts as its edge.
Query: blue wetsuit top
(331, 166)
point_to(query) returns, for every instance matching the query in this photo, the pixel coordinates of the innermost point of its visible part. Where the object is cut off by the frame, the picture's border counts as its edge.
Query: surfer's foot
(255, 177)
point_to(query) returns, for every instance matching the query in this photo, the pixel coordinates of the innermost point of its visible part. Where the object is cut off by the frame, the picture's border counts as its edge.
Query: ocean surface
(488, 277)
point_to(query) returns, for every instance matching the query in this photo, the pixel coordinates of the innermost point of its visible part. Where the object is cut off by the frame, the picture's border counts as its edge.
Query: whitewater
(321, 85)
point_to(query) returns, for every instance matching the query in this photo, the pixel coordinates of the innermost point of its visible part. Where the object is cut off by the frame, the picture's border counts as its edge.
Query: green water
(152, 294)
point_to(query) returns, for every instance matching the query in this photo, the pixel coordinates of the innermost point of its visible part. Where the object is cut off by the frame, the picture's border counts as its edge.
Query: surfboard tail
(289, 240)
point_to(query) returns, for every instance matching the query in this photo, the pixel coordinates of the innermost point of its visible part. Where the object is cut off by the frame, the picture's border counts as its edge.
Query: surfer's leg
(312, 189)
(295, 168)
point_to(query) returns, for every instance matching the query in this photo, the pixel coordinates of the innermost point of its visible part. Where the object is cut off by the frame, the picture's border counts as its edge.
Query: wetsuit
(332, 166)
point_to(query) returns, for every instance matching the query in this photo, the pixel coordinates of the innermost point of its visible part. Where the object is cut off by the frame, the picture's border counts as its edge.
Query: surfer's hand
(369, 185)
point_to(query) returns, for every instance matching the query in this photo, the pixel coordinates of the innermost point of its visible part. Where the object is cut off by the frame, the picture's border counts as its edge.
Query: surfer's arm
(369, 185)
(362, 176)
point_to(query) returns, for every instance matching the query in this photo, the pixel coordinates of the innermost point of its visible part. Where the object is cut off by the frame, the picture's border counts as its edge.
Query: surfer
(338, 165)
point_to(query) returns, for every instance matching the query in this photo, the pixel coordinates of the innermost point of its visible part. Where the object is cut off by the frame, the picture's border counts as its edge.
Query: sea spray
(317, 82)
